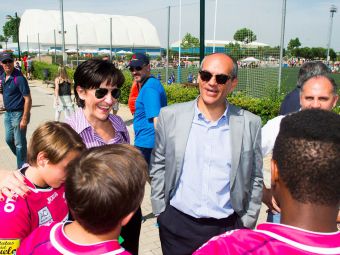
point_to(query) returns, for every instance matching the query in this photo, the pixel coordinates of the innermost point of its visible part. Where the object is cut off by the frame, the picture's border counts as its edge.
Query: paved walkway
(42, 110)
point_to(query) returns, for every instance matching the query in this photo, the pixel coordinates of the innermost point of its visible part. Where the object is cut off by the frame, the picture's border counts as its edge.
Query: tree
(245, 35)
(4, 39)
(190, 41)
(234, 50)
(332, 54)
(293, 43)
(11, 28)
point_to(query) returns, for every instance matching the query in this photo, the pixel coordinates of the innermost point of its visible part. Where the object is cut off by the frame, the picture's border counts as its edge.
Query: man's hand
(269, 200)
(23, 123)
(13, 185)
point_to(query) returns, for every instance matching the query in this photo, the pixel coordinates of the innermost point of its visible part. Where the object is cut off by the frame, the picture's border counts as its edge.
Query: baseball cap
(139, 59)
(6, 56)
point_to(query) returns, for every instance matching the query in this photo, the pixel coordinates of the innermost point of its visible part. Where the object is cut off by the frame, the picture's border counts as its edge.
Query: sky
(309, 20)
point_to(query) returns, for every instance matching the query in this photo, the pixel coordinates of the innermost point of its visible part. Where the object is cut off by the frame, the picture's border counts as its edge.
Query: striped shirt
(91, 139)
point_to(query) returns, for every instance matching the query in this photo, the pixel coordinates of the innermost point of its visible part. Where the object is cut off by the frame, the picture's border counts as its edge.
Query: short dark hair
(327, 77)
(105, 185)
(91, 73)
(309, 69)
(307, 152)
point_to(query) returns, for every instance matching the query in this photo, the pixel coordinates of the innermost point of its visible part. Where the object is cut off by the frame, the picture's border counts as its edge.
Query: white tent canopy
(104, 51)
(93, 30)
(250, 60)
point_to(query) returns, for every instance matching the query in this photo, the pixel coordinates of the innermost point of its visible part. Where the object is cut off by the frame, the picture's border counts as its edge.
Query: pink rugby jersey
(52, 240)
(19, 218)
(270, 238)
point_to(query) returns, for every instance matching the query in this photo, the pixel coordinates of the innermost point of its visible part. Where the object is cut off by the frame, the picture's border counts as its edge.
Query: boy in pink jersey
(305, 181)
(103, 190)
(52, 146)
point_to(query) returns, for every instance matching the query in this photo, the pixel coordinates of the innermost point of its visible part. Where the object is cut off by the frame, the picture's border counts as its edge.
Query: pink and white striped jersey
(270, 238)
(19, 218)
(52, 240)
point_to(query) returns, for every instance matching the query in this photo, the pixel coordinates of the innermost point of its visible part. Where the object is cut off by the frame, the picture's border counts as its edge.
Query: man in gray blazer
(206, 167)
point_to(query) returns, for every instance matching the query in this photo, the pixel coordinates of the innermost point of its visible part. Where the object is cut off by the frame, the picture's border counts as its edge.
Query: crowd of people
(79, 184)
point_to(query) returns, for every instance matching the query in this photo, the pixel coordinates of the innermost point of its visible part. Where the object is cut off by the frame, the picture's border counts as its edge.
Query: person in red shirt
(24, 59)
(135, 88)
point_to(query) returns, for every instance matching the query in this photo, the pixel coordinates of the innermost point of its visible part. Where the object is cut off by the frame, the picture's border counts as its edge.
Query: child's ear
(42, 160)
(274, 172)
(127, 218)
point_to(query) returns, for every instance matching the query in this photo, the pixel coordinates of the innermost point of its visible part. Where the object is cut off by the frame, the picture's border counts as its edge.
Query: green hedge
(267, 107)
(38, 68)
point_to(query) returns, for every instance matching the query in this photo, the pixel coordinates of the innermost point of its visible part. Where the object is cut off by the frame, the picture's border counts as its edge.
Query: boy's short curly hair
(307, 152)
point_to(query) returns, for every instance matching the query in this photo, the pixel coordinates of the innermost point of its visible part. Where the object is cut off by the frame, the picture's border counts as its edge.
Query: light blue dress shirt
(204, 185)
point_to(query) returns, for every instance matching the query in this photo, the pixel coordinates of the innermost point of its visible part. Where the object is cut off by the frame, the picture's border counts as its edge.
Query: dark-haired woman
(97, 89)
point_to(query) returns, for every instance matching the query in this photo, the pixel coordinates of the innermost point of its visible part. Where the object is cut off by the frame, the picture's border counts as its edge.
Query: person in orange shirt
(133, 96)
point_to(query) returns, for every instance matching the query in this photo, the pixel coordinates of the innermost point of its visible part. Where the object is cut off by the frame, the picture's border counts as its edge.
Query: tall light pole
(110, 39)
(62, 32)
(17, 23)
(202, 29)
(180, 40)
(215, 26)
(283, 24)
(167, 48)
(332, 10)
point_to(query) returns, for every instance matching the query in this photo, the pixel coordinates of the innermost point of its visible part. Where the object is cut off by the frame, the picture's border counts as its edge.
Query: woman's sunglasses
(102, 92)
(220, 78)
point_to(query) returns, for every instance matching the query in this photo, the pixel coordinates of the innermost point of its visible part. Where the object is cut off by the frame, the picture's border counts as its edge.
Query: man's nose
(316, 104)
(212, 80)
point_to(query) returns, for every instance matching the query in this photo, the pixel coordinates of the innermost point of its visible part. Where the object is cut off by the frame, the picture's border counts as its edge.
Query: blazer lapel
(236, 123)
(183, 126)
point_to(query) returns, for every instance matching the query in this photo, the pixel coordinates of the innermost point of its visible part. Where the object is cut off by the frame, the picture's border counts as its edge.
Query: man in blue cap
(18, 102)
(150, 100)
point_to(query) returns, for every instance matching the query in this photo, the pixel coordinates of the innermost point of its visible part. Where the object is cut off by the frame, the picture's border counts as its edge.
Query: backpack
(18, 73)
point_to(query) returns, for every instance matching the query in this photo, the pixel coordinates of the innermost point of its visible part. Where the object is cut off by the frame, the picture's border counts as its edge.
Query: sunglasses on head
(137, 68)
(8, 61)
(102, 92)
(220, 78)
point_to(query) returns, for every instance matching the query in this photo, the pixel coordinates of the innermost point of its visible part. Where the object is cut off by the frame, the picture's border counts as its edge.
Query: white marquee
(93, 30)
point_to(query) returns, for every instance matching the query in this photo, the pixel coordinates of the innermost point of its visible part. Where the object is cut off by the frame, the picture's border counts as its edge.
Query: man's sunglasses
(137, 68)
(220, 78)
(102, 92)
(7, 61)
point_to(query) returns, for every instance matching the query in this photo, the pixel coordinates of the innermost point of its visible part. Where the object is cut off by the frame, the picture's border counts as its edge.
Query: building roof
(93, 29)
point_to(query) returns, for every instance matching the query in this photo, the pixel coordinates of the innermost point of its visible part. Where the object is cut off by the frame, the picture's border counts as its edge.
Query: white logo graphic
(44, 216)
(52, 197)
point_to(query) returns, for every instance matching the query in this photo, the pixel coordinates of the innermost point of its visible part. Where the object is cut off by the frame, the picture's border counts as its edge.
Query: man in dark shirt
(291, 102)
(18, 102)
